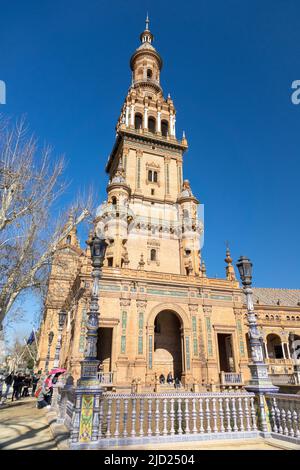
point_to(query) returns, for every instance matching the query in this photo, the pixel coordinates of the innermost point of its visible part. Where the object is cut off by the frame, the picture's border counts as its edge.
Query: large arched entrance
(167, 344)
(274, 346)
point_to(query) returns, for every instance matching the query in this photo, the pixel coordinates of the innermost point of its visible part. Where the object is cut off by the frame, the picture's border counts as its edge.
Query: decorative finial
(147, 22)
(183, 134)
(230, 273)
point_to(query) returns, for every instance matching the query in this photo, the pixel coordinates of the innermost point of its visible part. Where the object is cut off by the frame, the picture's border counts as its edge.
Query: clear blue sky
(229, 68)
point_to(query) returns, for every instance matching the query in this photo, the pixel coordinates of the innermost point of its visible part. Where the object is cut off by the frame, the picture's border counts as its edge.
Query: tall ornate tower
(155, 211)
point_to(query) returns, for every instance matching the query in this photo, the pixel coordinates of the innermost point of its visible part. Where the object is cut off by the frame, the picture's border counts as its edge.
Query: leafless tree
(32, 225)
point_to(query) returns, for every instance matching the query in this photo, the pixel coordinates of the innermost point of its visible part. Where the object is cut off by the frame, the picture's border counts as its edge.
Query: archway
(274, 346)
(294, 346)
(167, 344)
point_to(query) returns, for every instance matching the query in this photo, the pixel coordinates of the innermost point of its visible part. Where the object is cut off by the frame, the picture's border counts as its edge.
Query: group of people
(170, 380)
(34, 384)
(21, 384)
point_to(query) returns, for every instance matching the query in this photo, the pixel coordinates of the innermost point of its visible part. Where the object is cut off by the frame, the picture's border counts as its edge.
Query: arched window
(114, 201)
(153, 254)
(138, 121)
(149, 73)
(69, 240)
(164, 128)
(152, 124)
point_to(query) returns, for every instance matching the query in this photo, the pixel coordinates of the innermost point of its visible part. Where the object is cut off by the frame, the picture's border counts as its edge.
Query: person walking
(27, 384)
(8, 382)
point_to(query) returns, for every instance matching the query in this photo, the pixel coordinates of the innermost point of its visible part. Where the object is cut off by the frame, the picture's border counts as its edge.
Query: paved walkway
(23, 426)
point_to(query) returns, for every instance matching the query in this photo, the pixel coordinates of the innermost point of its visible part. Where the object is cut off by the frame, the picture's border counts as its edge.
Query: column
(283, 351)
(266, 350)
(145, 117)
(288, 350)
(127, 116)
(158, 121)
(132, 116)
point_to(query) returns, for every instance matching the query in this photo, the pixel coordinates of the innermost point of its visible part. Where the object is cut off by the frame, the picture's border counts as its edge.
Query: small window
(153, 254)
(152, 192)
(164, 128)
(114, 201)
(152, 176)
(149, 73)
(138, 121)
(110, 262)
(69, 240)
(152, 124)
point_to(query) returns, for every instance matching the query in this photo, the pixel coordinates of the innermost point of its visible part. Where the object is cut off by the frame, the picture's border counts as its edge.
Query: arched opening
(152, 124)
(153, 255)
(167, 345)
(149, 74)
(138, 121)
(274, 347)
(114, 201)
(104, 349)
(69, 240)
(164, 128)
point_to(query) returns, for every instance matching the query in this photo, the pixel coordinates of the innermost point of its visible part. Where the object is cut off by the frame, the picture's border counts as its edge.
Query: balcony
(106, 378)
(231, 379)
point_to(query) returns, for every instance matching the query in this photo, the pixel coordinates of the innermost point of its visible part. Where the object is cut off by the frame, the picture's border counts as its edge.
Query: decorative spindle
(149, 417)
(235, 428)
(141, 417)
(125, 417)
(194, 416)
(207, 413)
(221, 414)
(108, 419)
(227, 414)
(117, 419)
(133, 417)
(101, 418)
(172, 416)
(201, 416)
(283, 419)
(253, 414)
(247, 415)
(187, 416)
(214, 415)
(273, 414)
(165, 417)
(290, 423)
(241, 414)
(179, 415)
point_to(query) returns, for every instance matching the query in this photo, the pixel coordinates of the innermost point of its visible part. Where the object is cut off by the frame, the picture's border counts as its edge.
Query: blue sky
(229, 68)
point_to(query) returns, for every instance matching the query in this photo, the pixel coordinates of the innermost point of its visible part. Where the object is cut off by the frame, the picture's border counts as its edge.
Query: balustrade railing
(284, 411)
(105, 378)
(135, 416)
(231, 378)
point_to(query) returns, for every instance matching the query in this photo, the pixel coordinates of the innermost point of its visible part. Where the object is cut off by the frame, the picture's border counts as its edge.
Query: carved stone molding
(141, 304)
(207, 310)
(125, 302)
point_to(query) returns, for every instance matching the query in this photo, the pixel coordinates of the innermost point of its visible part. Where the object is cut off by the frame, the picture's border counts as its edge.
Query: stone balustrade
(135, 418)
(284, 410)
(231, 378)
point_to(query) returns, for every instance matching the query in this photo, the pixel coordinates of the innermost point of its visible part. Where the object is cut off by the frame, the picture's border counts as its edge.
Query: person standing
(35, 379)
(16, 386)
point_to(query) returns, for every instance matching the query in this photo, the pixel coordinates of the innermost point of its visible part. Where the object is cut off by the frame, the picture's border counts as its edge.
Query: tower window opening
(138, 121)
(164, 128)
(153, 254)
(114, 201)
(69, 240)
(149, 73)
(152, 176)
(152, 124)
(110, 262)
(152, 192)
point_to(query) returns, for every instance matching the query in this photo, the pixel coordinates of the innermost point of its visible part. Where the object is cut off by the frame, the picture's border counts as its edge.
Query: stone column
(127, 116)
(146, 118)
(158, 122)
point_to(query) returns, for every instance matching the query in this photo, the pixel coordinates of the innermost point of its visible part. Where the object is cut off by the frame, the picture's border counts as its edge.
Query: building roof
(278, 297)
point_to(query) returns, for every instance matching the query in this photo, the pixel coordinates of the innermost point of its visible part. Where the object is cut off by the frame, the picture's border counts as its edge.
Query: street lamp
(61, 321)
(88, 385)
(50, 339)
(260, 381)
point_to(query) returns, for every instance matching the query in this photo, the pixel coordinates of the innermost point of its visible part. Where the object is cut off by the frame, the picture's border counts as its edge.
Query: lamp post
(260, 382)
(61, 321)
(88, 392)
(50, 339)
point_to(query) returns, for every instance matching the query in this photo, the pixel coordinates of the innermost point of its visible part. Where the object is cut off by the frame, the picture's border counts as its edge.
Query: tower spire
(230, 274)
(147, 22)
